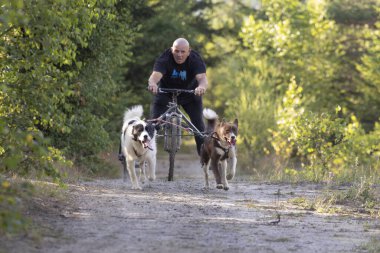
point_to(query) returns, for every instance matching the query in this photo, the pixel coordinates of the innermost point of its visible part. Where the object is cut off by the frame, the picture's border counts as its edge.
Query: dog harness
(218, 145)
(134, 150)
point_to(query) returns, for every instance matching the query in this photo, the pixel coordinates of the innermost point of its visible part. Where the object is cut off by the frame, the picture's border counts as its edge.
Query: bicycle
(174, 122)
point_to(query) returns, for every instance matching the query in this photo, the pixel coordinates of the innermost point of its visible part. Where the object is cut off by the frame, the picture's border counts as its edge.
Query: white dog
(138, 143)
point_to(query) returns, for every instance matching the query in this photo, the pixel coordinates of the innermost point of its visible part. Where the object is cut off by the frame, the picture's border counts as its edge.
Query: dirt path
(181, 217)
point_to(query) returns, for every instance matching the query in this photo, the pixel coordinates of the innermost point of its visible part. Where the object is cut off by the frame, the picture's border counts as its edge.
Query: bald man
(179, 67)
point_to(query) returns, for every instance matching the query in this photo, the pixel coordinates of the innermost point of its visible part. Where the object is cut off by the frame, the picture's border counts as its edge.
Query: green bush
(327, 146)
(11, 219)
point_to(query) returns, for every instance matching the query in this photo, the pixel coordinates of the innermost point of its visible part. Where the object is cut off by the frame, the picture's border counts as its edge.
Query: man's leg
(159, 106)
(194, 110)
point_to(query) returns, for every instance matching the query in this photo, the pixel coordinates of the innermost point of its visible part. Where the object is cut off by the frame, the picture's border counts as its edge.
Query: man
(181, 68)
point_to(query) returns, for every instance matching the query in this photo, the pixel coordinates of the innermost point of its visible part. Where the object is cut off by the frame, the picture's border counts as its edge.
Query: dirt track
(181, 217)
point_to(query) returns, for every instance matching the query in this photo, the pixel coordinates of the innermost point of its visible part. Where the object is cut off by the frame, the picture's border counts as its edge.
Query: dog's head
(227, 131)
(143, 132)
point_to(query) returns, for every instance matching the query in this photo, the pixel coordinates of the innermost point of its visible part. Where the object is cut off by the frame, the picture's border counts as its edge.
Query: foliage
(95, 109)
(370, 72)
(11, 219)
(325, 145)
(349, 12)
(60, 66)
(304, 44)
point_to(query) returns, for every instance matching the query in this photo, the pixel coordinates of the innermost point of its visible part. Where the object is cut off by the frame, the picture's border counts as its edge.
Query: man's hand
(200, 91)
(202, 84)
(152, 87)
(154, 78)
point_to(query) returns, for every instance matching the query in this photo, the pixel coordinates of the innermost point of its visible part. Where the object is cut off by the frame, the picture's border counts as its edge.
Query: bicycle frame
(174, 121)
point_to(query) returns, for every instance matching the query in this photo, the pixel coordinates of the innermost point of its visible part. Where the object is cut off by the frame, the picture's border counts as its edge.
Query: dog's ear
(151, 128)
(131, 122)
(236, 123)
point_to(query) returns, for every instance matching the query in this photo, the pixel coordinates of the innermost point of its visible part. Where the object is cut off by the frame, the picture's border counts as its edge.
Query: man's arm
(154, 78)
(202, 84)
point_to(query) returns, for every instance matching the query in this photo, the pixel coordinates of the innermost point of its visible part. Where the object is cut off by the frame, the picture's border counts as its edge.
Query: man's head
(180, 50)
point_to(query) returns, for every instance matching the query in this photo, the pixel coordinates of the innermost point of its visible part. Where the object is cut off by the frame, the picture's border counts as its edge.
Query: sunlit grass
(359, 199)
(373, 246)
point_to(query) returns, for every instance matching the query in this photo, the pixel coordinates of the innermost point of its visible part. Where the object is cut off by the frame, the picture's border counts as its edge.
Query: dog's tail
(134, 112)
(211, 119)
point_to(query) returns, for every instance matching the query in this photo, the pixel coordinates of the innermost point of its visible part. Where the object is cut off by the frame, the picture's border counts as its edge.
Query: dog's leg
(142, 177)
(232, 164)
(205, 166)
(223, 174)
(215, 170)
(232, 168)
(124, 163)
(151, 166)
(132, 174)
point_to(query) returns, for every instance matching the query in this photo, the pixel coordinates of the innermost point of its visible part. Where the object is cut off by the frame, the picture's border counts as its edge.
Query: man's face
(180, 53)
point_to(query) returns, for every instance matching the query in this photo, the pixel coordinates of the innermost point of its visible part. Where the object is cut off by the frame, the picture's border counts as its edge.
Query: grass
(373, 246)
(303, 202)
(21, 199)
(361, 198)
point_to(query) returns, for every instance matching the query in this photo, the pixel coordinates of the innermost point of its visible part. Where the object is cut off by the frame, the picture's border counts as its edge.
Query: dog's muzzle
(146, 141)
(232, 140)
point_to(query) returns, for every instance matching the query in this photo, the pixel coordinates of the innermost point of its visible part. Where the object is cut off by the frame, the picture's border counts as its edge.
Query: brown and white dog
(218, 151)
(138, 143)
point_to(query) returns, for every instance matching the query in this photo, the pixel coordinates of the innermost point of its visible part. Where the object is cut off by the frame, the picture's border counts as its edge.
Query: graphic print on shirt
(180, 74)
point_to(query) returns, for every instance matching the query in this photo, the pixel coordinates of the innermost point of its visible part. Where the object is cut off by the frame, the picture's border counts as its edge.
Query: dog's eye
(139, 128)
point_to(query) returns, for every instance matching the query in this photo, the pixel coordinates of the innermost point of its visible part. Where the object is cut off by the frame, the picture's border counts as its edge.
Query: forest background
(302, 77)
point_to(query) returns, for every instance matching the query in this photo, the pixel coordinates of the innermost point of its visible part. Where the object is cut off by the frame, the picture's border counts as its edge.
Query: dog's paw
(219, 186)
(206, 188)
(226, 188)
(136, 187)
(230, 176)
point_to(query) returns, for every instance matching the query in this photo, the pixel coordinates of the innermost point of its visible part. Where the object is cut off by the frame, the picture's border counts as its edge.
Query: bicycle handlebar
(167, 90)
(174, 91)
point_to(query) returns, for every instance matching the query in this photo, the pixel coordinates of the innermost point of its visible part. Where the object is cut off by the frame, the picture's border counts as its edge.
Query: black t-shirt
(179, 76)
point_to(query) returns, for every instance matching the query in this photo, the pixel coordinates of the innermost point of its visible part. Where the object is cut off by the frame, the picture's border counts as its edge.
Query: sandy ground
(179, 216)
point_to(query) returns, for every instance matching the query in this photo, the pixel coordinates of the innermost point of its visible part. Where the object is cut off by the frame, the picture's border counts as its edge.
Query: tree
(48, 99)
